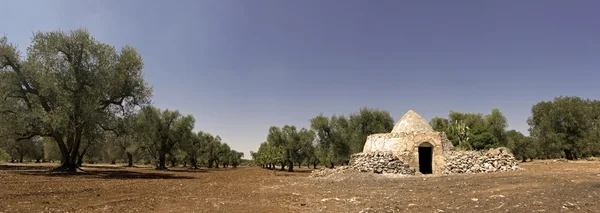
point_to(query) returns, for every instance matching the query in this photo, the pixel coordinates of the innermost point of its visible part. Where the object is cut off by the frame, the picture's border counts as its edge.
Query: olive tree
(160, 131)
(67, 84)
(192, 147)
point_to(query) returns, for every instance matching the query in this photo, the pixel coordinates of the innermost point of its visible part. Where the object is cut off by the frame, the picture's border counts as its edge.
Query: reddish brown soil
(541, 187)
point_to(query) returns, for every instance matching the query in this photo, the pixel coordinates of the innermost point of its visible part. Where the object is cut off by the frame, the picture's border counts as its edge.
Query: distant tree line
(567, 127)
(72, 99)
(150, 137)
(330, 140)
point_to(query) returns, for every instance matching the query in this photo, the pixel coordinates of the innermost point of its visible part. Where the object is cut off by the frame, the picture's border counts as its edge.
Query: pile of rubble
(379, 162)
(493, 160)
(327, 172)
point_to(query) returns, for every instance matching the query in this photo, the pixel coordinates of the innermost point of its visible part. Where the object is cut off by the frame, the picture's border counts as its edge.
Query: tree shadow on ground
(101, 174)
(219, 169)
(297, 171)
(187, 170)
(23, 167)
(104, 167)
(107, 175)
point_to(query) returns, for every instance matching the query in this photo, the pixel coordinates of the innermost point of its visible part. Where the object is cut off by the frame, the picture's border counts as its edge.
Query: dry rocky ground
(542, 186)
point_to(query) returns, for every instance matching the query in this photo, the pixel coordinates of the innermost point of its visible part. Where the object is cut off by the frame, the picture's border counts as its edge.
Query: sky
(240, 67)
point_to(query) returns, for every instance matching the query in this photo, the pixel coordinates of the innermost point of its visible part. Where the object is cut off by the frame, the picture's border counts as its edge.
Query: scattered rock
(474, 199)
(570, 205)
(327, 199)
(561, 160)
(327, 172)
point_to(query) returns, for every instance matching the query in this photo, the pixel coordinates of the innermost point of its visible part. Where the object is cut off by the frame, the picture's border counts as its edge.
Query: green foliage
(268, 155)
(440, 124)
(366, 122)
(160, 131)
(235, 158)
(330, 140)
(18, 150)
(286, 146)
(522, 147)
(473, 130)
(4, 156)
(192, 146)
(566, 126)
(36, 151)
(212, 150)
(332, 135)
(496, 125)
(461, 133)
(223, 157)
(68, 84)
(51, 150)
(122, 140)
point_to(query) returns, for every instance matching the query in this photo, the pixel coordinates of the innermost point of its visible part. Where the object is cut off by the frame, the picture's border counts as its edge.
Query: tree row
(73, 98)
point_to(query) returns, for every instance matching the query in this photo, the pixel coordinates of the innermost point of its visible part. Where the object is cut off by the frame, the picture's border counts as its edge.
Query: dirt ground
(543, 186)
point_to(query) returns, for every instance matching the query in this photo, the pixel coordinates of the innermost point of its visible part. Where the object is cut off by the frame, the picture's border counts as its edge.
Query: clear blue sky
(242, 66)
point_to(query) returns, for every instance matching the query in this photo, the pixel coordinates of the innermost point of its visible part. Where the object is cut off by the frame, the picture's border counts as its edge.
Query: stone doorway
(425, 158)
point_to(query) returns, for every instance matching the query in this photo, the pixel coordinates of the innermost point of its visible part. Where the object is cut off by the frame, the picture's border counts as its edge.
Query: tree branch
(106, 129)
(31, 135)
(7, 112)
(105, 103)
(25, 87)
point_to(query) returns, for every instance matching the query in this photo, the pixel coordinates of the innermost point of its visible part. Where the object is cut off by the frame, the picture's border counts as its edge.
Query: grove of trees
(71, 98)
(330, 140)
(567, 127)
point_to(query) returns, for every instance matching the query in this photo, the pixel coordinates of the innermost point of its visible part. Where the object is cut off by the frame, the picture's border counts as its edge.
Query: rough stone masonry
(493, 160)
(413, 145)
(379, 162)
(411, 134)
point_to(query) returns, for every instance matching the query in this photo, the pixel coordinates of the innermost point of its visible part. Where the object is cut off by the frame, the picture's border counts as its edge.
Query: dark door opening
(425, 160)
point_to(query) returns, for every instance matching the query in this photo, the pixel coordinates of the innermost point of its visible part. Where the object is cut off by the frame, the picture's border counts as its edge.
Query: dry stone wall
(379, 162)
(493, 160)
(456, 162)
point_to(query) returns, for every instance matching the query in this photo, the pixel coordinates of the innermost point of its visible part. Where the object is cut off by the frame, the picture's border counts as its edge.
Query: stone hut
(413, 147)
(413, 142)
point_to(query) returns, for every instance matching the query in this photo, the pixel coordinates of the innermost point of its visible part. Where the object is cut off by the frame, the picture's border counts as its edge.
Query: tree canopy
(473, 130)
(67, 85)
(566, 126)
(74, 98)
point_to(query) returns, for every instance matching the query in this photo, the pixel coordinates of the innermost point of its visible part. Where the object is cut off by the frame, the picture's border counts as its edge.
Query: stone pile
(379, 162)
(493, 160)
(327, 172)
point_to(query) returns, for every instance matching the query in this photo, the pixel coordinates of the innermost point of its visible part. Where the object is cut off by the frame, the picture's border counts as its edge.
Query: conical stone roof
(412, 122)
